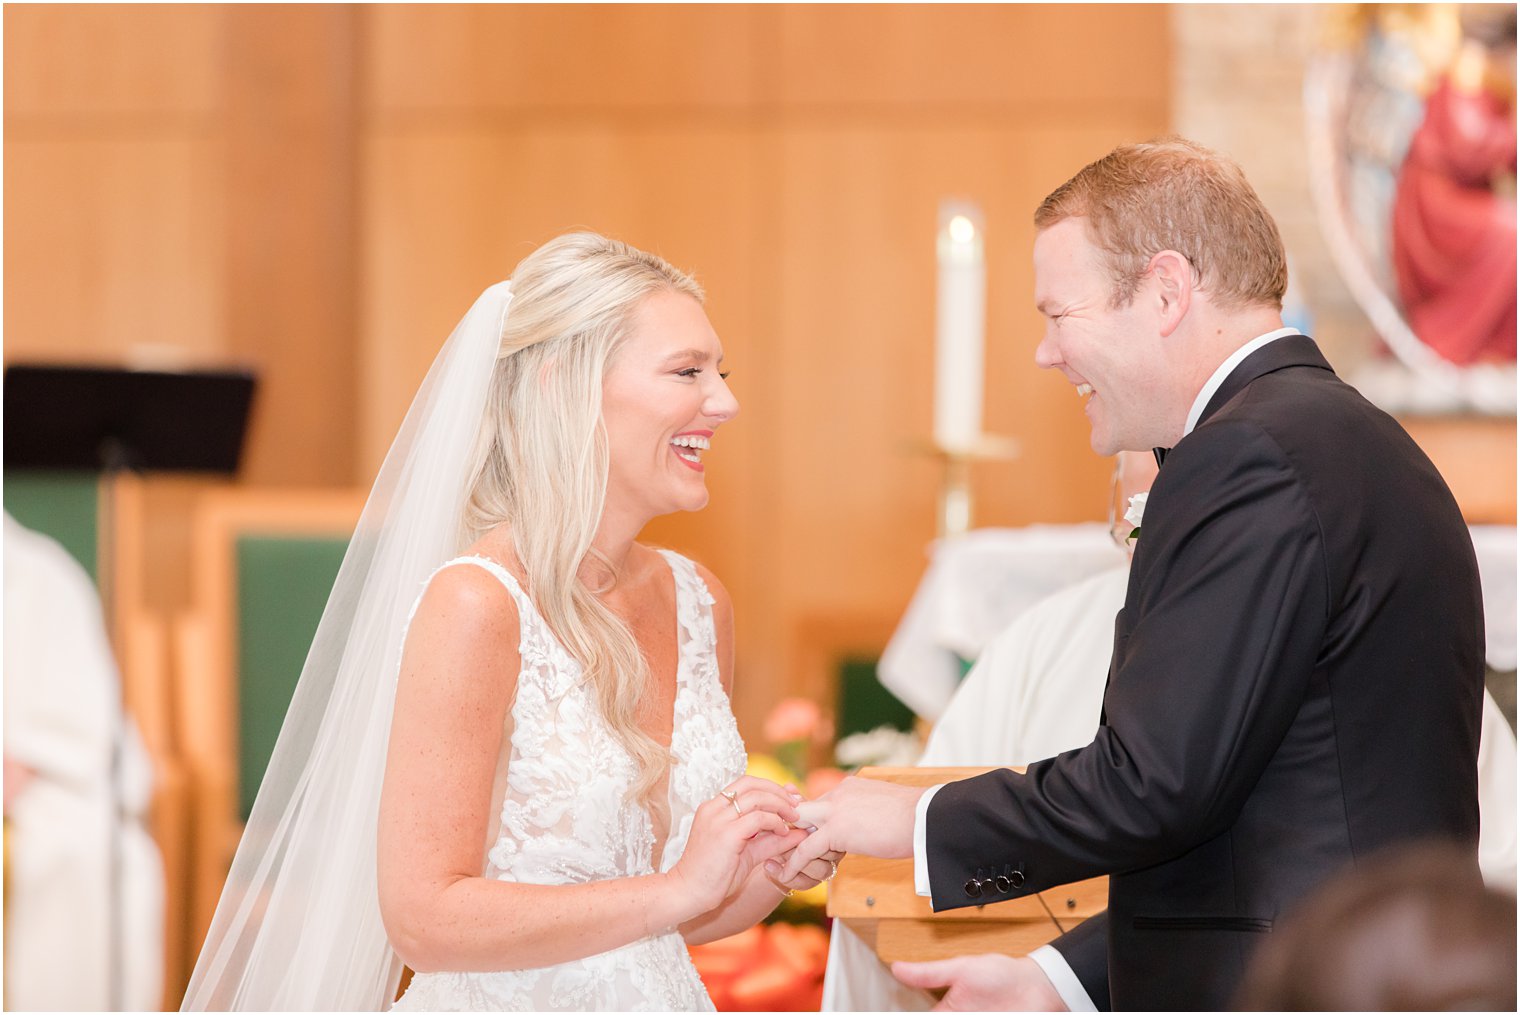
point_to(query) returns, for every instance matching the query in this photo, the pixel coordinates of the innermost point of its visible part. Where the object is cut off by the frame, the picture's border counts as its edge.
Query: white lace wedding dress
(566, 818)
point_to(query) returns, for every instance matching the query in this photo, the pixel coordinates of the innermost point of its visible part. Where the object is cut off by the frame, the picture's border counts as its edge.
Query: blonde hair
(541, 457)
(1175, 194)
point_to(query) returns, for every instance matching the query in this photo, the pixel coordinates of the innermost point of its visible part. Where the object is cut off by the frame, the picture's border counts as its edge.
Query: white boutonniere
(1134, 513)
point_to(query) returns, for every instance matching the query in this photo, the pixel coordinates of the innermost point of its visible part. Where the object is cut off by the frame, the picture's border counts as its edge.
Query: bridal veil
(298, 925)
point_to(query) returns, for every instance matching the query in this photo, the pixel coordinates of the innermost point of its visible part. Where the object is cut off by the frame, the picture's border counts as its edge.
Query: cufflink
(1007, 881)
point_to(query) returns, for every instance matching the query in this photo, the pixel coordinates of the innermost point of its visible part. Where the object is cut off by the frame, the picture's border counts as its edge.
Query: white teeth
(694, 459)
(1083, 390)
(692, 441)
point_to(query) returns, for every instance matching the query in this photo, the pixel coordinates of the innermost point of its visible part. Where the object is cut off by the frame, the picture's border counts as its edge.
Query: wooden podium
(875, 899)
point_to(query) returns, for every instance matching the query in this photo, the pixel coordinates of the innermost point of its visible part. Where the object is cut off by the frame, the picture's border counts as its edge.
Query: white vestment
(62, 711)
(1036, 691)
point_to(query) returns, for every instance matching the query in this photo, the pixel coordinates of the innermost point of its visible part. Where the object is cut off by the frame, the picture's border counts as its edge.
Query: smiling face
(1115, 356)
(662, 400)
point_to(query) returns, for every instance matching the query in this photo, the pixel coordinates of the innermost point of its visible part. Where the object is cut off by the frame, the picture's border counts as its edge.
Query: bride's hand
(747, 824)
(814, 873)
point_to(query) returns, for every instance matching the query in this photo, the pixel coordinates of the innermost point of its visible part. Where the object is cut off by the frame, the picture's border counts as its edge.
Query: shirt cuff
(920, 851)
(1053, 964)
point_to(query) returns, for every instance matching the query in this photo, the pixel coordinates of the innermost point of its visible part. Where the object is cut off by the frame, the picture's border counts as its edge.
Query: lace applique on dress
(566, 817)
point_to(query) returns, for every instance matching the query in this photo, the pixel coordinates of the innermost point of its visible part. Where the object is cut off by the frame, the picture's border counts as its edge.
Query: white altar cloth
(978, 583)
(974, 586)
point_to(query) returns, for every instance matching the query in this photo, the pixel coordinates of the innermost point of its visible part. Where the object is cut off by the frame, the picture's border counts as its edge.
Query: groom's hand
(769, 848)
(858, 816)
(983, 983)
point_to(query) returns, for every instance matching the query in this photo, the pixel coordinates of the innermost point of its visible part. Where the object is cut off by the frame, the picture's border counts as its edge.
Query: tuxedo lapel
(1288, 351)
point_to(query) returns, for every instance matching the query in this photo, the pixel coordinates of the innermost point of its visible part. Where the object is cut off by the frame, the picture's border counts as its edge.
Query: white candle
(960, 323)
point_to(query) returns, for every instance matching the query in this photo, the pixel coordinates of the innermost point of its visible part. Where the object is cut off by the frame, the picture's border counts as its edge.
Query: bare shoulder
(469, 600)
(464, 635)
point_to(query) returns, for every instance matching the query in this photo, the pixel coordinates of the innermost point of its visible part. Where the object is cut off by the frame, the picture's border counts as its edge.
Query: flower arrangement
(770, 967)
(778, 965)
(885, 745)
(790, 727)
(793, 726)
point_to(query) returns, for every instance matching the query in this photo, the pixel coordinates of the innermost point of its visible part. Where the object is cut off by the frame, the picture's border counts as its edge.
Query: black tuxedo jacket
(1296, 681)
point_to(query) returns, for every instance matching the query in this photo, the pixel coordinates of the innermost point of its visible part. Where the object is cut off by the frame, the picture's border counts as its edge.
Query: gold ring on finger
(733, 798)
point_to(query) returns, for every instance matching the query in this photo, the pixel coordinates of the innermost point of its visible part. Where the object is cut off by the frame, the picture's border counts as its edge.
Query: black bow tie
(1160, 454)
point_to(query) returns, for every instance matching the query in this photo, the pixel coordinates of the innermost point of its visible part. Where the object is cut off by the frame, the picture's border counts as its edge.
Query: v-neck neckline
(656, 855)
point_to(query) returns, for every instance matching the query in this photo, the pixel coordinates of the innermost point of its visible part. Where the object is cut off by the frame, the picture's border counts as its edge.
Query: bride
(511, 761)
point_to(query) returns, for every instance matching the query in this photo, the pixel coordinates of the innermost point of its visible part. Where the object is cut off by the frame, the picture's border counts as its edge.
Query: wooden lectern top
(875, 898)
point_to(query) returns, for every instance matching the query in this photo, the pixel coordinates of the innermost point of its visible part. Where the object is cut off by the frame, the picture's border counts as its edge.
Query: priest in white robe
(64, 821)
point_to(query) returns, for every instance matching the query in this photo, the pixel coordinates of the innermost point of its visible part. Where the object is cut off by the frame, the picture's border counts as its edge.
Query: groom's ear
(1174, 281)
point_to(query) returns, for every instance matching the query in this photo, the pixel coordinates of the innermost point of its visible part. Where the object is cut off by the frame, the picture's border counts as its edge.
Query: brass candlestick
(955, 501)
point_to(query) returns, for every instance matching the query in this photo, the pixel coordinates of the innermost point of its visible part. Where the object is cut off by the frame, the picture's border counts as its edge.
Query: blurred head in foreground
(1415, 929)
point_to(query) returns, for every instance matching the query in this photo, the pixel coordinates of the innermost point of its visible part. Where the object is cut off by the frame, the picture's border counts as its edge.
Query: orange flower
(820, 780)
(770, 967)
(791, 719)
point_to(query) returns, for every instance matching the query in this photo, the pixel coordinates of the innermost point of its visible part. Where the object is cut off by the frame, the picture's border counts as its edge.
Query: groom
(1297, 671)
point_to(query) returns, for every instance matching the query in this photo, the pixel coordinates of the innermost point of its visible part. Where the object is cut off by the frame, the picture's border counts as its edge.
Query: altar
(976, 584)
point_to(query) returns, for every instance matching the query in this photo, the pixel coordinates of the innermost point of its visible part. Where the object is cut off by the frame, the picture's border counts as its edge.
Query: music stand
(74, 417)
(113, 420)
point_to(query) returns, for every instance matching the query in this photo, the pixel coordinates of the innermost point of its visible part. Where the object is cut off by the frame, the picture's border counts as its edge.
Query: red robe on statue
(1453, 234)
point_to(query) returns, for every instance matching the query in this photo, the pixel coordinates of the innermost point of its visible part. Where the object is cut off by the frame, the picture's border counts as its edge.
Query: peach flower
(791, 719)
(820, 780)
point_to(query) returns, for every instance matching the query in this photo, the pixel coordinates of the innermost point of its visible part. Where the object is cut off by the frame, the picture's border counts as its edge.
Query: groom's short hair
(1175, 194)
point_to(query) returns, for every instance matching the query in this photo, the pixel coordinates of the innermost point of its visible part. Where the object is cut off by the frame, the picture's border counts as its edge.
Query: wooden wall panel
(112, 243)
(603, 59)
(290, 256)
(180, 189)
(959, 62)
(154, 62)
(1476, 457)
(323, 191)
